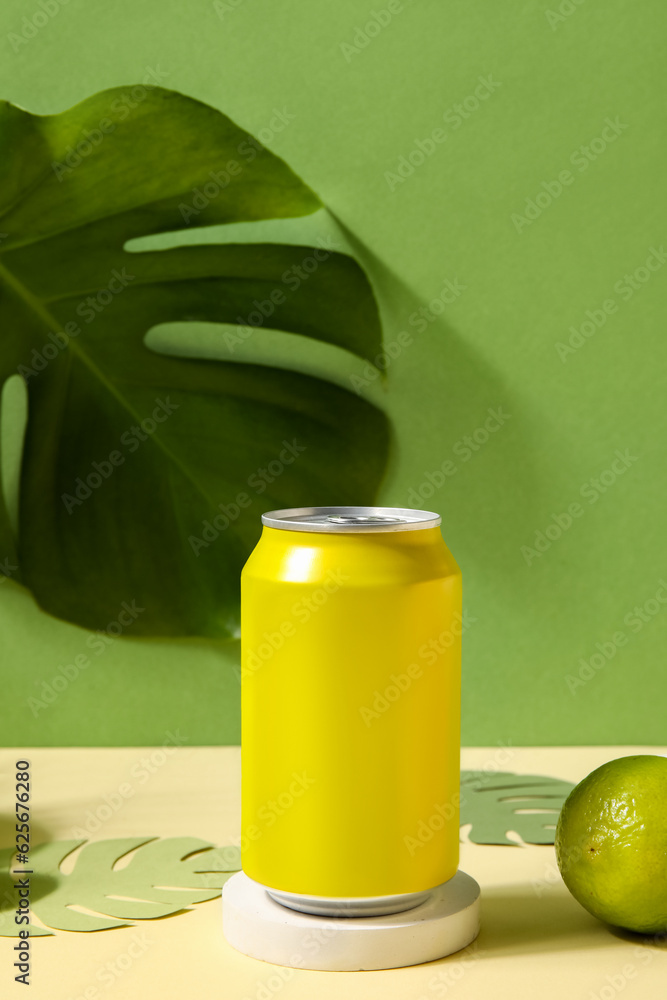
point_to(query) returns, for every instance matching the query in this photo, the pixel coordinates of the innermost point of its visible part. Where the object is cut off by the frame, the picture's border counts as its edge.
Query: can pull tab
(350, 519)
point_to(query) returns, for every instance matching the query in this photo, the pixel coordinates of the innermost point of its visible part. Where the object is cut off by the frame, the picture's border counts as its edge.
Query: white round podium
(258, 926)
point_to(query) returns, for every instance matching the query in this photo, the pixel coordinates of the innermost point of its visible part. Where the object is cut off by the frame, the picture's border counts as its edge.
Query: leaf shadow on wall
(495, 489)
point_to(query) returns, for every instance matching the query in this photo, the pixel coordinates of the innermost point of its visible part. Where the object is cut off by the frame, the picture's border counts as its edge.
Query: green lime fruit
(611, 843)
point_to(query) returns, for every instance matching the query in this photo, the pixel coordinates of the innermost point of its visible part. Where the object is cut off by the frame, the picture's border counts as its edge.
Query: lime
(611, 843)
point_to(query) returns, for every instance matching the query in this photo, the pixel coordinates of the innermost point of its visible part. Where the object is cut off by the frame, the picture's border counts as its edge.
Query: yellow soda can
(351, 623)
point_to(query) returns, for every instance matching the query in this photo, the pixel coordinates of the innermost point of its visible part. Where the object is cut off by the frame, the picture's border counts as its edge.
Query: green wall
(465, 152)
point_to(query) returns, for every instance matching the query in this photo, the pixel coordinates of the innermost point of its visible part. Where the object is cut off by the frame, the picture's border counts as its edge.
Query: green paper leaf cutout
(496, 803)
(144, 474)
(161, 878)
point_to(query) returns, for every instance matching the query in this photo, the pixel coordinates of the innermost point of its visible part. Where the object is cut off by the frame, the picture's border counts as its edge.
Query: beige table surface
(536, 941)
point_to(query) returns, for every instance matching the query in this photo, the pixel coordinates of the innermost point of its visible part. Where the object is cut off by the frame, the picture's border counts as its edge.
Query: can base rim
(349, 906)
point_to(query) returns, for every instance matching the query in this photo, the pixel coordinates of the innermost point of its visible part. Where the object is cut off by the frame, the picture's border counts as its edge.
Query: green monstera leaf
(144, 474)
(496, 803)
(120, 881)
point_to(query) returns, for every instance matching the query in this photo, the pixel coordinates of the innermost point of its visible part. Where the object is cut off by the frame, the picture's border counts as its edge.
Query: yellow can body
(350, 690)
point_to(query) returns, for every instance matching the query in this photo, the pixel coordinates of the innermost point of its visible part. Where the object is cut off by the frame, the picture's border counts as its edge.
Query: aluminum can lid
(350, 519)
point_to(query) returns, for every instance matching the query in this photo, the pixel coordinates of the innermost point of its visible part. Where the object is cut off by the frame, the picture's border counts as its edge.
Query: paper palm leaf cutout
(161, 877)
(499, 802)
